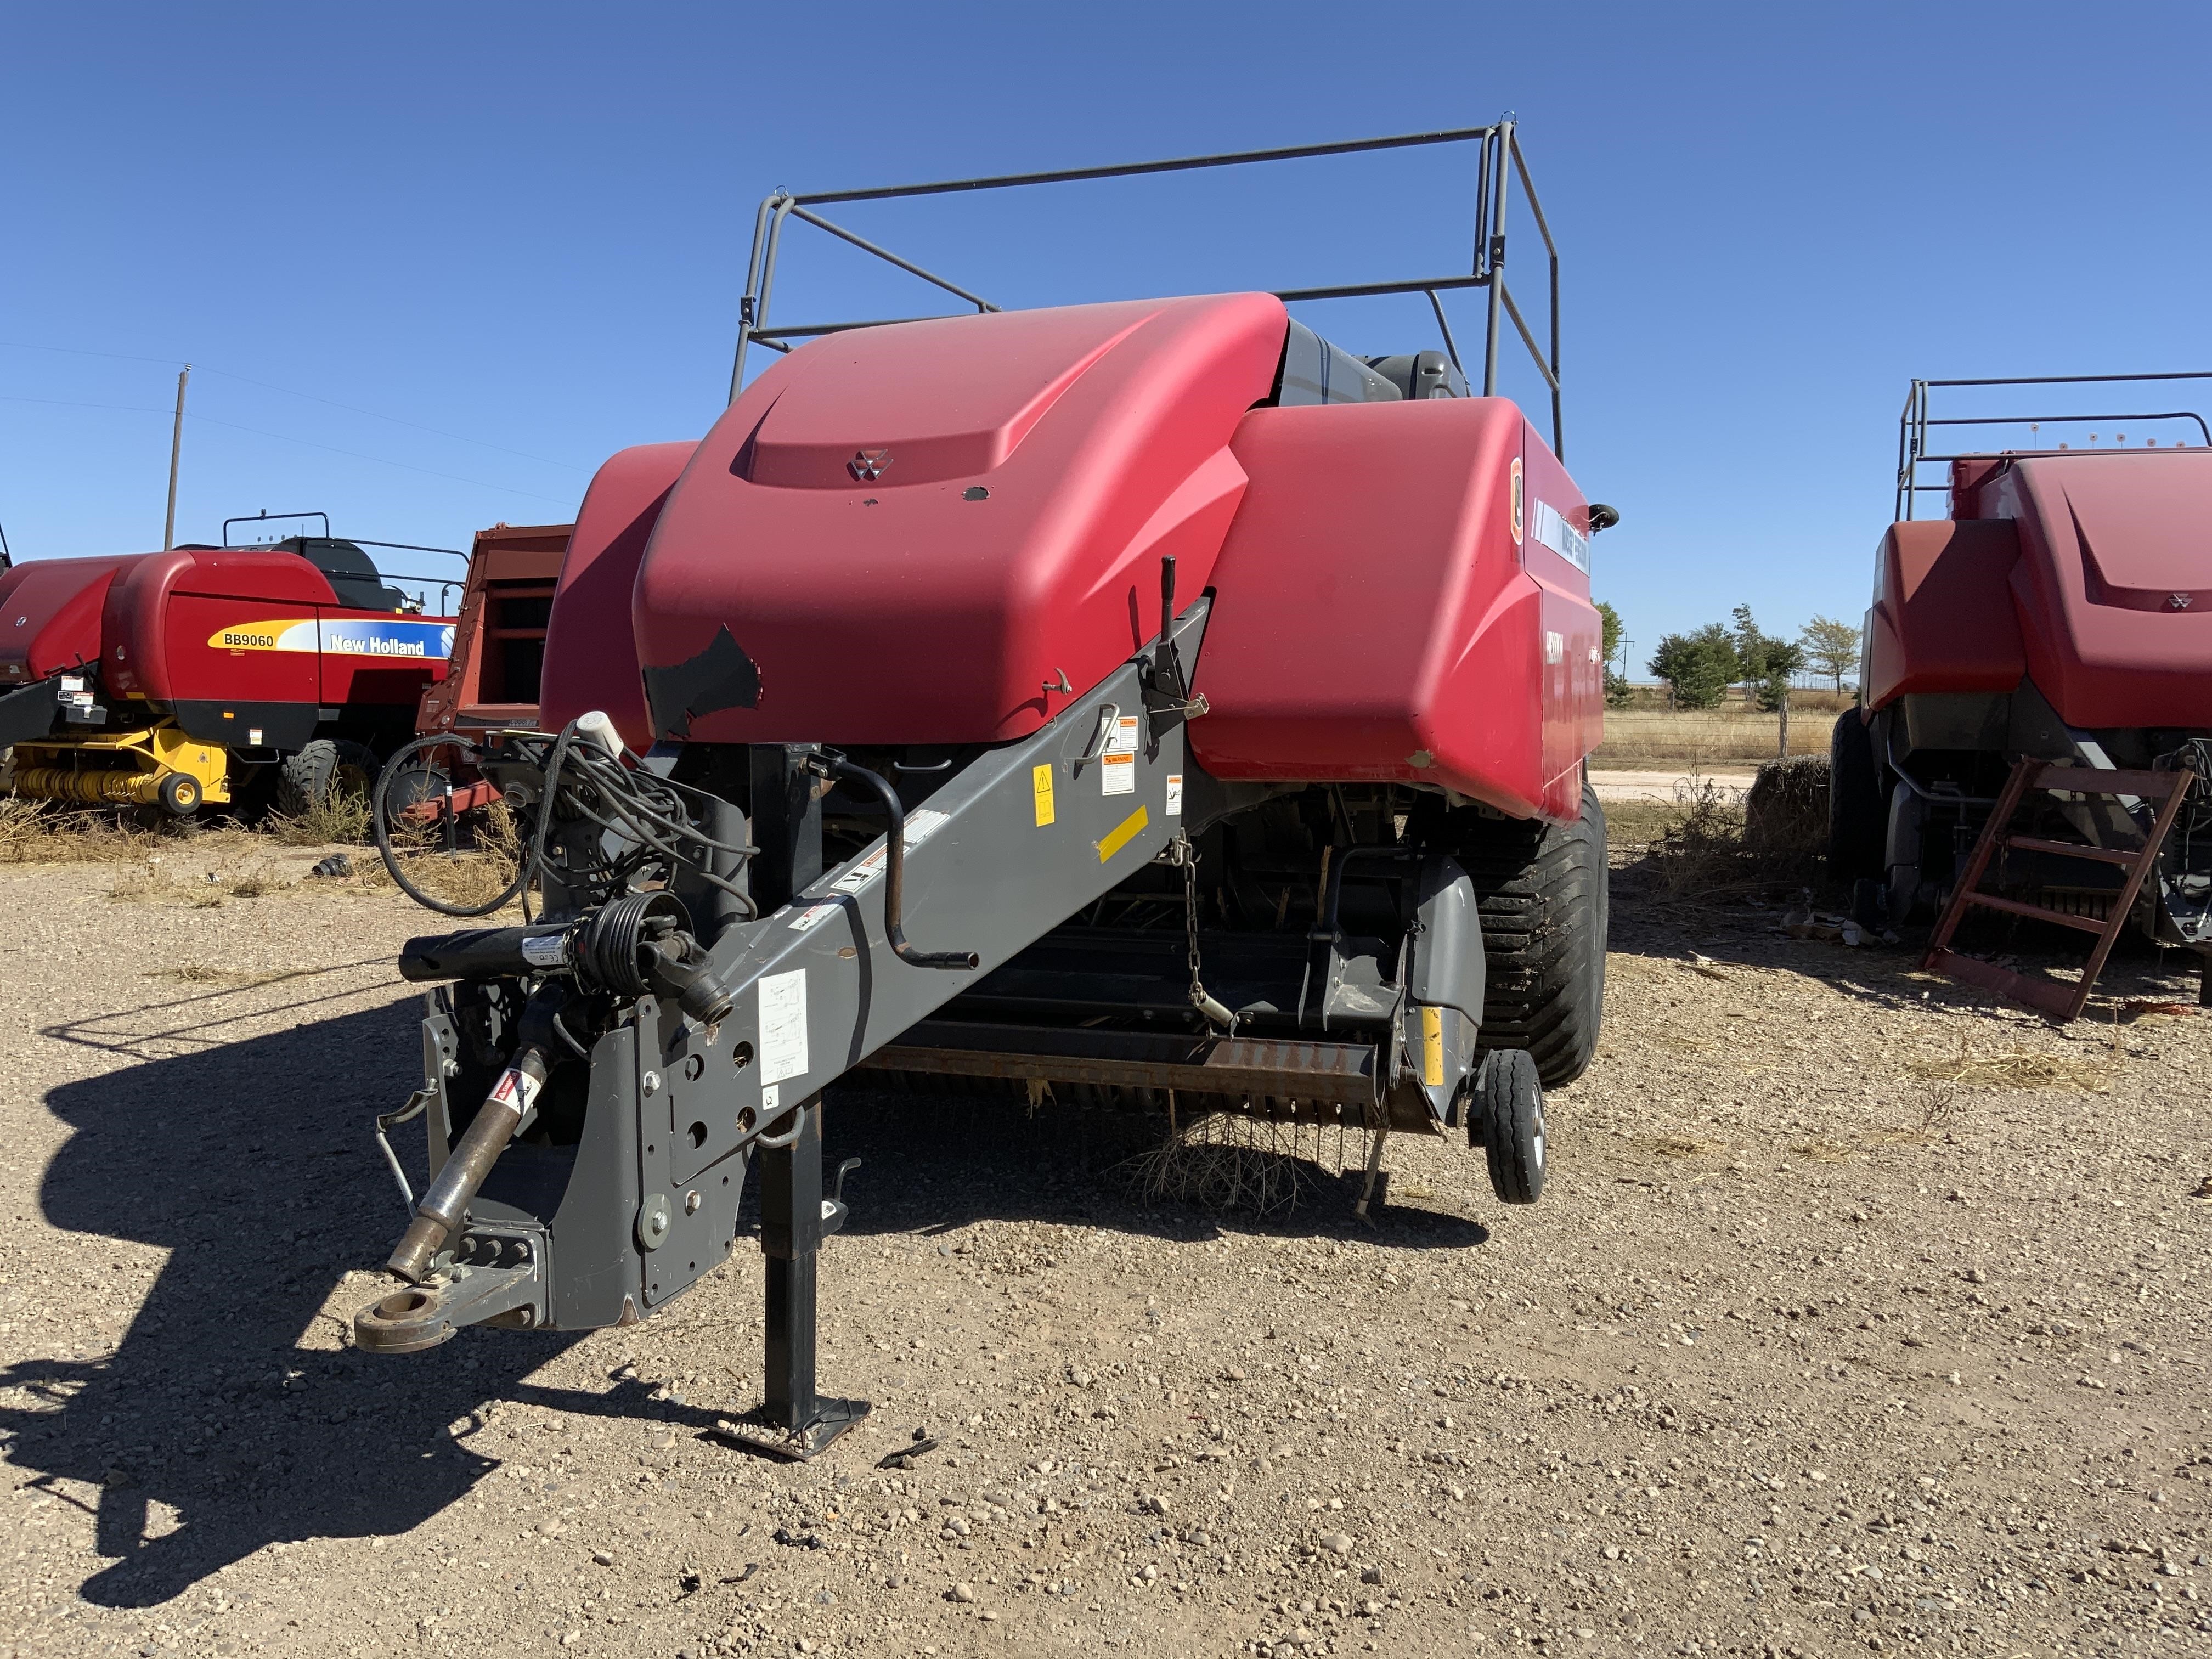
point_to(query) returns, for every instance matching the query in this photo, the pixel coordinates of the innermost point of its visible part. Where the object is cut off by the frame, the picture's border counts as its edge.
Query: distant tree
(1831, 647)
(1770, 682)
(1697, 667)
(1750, 644)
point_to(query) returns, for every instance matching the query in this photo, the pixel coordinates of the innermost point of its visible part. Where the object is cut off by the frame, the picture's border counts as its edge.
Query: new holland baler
(208, 674)
(1145, 698)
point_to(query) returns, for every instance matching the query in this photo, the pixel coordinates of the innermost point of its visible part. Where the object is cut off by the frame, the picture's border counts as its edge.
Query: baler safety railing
(1500, 161)
(1913, 452)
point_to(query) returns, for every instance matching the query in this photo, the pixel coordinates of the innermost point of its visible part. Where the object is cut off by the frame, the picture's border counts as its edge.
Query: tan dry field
(1636, 737)
(1860, 1316)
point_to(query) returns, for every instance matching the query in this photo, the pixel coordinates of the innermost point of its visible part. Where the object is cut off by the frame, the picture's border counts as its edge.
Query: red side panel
(2113, 583)
(50, 615)
(1380, 615)
(1942, 618)
(590, 651)
(157, 652)
(909, 532)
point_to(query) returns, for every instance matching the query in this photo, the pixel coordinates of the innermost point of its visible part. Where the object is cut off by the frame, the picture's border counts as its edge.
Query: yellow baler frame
(120, 769)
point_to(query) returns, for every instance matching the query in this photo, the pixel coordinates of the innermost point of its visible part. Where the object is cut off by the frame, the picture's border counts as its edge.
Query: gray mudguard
(1443, 1011)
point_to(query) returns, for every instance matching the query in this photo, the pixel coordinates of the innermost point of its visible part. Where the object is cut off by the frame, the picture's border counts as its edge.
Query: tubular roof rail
(1498, 162)
(1912, 442)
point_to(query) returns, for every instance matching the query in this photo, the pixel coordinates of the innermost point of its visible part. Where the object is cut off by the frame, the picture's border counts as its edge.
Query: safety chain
(1200, 998)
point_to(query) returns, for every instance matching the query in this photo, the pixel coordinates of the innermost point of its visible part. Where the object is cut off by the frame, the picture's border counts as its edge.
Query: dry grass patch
(1223, 1162)
(2017, 1068)
(477, 872)
(160, 880)
(193, 973)
(339, 819)
(42, 832)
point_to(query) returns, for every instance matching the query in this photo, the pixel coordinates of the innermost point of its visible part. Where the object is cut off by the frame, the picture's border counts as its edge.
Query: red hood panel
(1030, 469)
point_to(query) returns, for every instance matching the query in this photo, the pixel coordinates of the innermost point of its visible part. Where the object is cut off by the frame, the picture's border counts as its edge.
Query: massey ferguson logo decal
(2177, 601)
(869, 464)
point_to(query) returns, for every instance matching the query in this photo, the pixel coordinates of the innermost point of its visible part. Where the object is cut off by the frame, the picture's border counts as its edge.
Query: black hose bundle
(648, 822)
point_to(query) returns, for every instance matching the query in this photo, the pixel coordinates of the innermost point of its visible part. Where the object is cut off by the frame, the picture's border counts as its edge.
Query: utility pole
(176, 450)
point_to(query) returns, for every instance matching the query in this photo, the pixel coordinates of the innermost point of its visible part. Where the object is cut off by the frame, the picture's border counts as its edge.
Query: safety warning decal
(1175, 794)
(805, 921)
(783, 1025)
(921, 824)
(1117, 766)
(1041, 785)
(515, 1089)
(340, 637)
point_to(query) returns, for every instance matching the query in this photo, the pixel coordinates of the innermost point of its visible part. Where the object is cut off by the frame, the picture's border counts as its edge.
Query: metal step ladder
(2167, 790)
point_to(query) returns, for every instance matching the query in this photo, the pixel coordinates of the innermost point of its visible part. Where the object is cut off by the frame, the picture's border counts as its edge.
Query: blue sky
(434, 263)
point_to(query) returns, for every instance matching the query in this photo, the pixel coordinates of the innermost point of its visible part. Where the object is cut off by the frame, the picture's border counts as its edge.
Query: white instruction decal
(1124, 740)
(1553, 530)
(783, 1025)
(515, 1089)
(921, 824)
(805, 921)
(545, 950)
(1175, 794)
(771, 1098)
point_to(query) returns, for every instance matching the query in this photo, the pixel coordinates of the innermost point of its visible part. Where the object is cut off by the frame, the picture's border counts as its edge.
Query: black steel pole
(791, 1240)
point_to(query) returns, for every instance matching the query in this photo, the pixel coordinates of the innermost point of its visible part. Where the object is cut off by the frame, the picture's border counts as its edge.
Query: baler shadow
(249, 1163)
(960, 1159)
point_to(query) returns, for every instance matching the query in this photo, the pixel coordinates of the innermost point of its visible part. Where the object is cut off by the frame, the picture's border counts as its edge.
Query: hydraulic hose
(895, 874)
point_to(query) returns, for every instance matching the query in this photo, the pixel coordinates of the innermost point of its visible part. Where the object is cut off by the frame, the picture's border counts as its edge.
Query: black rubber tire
(309, 777)
(179, 794)
(1508, 1113)
(1541, 891)
(1857, 815)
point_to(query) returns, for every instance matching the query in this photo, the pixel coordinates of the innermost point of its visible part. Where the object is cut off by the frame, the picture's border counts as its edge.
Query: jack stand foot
(758, 1431)
(794, 1422)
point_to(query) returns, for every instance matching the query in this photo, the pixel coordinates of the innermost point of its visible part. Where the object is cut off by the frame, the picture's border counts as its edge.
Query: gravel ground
(1806, 1351)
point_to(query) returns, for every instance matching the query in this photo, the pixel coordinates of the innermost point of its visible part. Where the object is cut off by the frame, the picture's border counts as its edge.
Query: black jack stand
(794, 1421)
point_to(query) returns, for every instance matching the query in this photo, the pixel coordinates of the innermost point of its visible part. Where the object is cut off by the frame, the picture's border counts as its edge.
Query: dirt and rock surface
(1859, 1315)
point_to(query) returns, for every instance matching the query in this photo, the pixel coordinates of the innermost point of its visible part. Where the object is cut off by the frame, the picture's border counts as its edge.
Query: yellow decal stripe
(1041, 783)
(1433, 1046)
(1124, 834)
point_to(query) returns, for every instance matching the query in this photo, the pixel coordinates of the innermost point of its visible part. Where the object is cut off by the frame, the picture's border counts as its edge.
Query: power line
(266, 385)
(286, 438)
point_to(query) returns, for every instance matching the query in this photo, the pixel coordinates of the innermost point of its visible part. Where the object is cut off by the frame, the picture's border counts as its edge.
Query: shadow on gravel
(251, 1163)
(210, 1431)
(933, 1162)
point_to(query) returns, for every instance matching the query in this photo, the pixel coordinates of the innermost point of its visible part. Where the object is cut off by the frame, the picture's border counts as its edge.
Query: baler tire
(179, 793)
(1509, 1111)
(1857, 817)
(1541, 890)
(309, 777)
